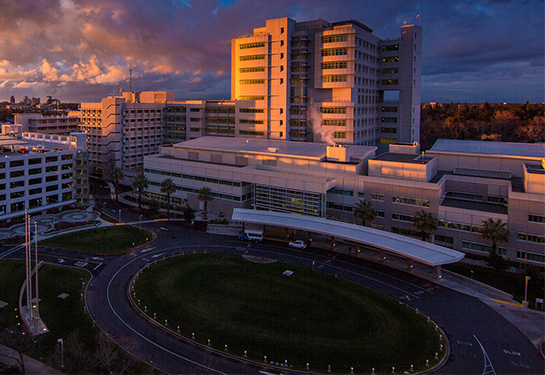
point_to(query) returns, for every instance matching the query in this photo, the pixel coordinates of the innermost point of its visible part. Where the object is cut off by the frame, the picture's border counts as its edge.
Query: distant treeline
(484, 121)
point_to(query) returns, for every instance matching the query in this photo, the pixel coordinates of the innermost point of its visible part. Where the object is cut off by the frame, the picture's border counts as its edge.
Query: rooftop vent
(338, 153)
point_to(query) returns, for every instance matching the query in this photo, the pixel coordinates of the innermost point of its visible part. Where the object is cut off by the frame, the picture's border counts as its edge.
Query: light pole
(120, 215)
(60, 341)
(140, 221)
(525, 302)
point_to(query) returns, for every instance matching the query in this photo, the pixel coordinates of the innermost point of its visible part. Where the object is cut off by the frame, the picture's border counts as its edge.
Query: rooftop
(272, 147)
(533, 150)
(404, 158)
(534, 168)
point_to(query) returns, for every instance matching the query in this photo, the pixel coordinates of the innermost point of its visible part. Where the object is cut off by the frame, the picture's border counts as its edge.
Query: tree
(140, 184)
(168, 187)
(188, 213)
(533, 131)
(116, 175)
(425, 223)
(496, 232)
(365, 212)
(205, 195)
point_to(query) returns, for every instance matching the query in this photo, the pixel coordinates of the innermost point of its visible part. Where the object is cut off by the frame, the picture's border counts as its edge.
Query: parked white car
(298, 244)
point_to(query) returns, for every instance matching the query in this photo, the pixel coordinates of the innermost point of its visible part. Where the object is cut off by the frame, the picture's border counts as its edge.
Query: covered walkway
(406, 247)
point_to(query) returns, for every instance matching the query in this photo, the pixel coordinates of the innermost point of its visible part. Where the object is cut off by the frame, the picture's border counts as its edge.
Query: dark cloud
(474, 50)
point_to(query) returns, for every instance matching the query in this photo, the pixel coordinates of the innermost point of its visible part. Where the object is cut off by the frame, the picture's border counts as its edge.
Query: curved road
(482, 341)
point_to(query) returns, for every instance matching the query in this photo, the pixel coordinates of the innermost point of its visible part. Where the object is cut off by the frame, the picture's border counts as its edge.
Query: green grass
(110, 240)
(64, 318)
(308, 317)
(509, 282)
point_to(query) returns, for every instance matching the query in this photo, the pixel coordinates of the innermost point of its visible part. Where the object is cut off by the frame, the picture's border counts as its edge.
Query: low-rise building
(461, 183)
(41, 171)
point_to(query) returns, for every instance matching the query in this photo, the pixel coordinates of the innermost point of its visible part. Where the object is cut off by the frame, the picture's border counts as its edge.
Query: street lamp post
(120, 215)
(525, 303)
(140, 221)
(60, 341)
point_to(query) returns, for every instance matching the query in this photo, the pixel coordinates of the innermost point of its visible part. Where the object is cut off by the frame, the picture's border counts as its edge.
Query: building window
(252, 57)
(411, 201)
(391, 47)
(333, 109)
(377, 197)
(339, 135)
(391, 120)
(388, 130)
(390, 70)
(251, 45)
(468, 245)
(531, 237)
(387, 82)
(252, 82)
(335, 78)
(536, 218)
(334, 122)
(533, 257)
(335, 52)
(252, 70)
(334, 38)
(334, 65)
(390, 59)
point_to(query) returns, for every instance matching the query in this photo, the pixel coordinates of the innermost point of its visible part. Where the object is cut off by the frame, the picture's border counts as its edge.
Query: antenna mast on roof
(130, 78)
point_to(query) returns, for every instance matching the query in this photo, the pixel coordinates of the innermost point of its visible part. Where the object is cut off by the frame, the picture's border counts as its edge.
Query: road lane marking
(507, 302)
(488, 368)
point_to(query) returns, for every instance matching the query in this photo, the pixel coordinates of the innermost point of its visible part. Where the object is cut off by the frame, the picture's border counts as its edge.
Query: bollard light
(193, 335)
(225, 347)
(427, 363)
(265, 358)
(245, 354)
(393, 370)
(436, 356)
(208, 342)
(412, 368)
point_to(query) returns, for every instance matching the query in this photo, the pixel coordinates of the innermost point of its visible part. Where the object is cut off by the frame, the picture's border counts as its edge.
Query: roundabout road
(481, 340)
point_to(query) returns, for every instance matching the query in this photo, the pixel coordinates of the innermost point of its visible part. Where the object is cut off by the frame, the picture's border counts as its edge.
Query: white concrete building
(328, 82)
(462, 183)
(41, 171)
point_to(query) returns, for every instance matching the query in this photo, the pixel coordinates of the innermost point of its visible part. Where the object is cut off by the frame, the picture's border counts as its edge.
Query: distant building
(122, 129)
(12, 99)
(36, 123)
(39, 171)
(462, 183)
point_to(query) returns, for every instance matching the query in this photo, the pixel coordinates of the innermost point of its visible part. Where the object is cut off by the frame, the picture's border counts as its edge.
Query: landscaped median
(286, 315)
(111, 240)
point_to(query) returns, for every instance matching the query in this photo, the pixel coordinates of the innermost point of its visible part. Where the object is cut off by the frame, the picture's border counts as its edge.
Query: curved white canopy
(420, 251)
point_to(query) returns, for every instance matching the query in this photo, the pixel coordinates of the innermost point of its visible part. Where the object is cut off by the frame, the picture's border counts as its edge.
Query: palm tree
(116, 175)
(205, 195)
(425, 223)
(168, 187)
(140, 183)
(496, 232)
(365, 212)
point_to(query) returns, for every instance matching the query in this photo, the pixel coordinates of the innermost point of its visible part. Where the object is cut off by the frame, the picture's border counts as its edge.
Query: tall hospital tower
(318, 81)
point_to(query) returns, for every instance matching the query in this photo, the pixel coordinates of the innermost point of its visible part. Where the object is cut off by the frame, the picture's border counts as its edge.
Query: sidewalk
(32, 366)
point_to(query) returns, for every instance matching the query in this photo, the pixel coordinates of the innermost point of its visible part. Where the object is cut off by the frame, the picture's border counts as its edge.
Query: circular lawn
(308, 317)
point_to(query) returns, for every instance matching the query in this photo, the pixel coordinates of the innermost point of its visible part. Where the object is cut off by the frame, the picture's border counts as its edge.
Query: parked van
(251, 235)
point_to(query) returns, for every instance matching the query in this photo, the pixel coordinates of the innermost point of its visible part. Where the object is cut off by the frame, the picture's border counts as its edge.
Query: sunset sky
(81, 50)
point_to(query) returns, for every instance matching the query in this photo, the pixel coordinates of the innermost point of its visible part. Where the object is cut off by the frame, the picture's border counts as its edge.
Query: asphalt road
(482, 341)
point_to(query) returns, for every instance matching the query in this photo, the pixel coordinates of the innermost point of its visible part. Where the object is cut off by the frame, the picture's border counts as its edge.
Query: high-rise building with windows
(318, 81)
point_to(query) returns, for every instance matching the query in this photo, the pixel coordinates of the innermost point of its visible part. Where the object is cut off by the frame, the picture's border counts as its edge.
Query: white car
(298, 244)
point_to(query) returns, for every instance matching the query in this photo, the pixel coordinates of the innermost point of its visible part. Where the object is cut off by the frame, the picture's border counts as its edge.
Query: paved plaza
(46, 222)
